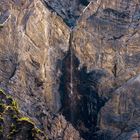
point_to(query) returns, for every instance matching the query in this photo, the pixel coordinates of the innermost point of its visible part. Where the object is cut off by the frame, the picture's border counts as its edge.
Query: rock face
(122, 112)
(73, 65)
(13, 125)
(69, 10)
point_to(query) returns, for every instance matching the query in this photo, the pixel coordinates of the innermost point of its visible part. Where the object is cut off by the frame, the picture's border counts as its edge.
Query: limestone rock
(120, 115)
(13, 125)
(107, 37)
(73, 65)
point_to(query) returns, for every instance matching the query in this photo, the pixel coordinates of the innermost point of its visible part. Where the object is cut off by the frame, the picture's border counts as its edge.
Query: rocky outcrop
(67, 63)
(69, 10)
(13, 125)
(105, 37)
(33, 42)
(120, 116)
(28, 41)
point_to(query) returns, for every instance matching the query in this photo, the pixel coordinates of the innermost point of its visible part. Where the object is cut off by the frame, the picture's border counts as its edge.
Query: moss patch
(12, 121)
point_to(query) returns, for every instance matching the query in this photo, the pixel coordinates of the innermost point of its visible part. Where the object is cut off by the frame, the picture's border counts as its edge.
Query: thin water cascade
(71, 63)
(72, 108)
(71, 72)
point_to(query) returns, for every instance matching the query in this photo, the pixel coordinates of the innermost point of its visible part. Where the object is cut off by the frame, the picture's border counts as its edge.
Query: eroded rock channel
(80, 100)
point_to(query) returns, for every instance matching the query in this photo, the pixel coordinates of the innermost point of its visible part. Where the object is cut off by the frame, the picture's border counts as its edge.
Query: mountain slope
(64, 61)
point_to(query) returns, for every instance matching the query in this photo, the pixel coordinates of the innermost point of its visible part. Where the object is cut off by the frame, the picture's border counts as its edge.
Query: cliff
(73, 66)
(13, 126)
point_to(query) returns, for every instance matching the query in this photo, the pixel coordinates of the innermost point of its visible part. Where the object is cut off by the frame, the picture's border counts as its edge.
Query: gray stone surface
(73, 66)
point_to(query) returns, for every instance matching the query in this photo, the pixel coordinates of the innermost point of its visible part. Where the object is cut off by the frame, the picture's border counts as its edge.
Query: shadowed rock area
(80, 99)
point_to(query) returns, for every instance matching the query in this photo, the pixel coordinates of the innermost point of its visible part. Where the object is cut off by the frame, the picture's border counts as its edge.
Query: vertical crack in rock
(69, 11)
(79, 95)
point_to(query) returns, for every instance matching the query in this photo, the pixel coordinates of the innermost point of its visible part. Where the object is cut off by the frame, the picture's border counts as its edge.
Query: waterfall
(71, 94)
(71, 63)
(71, 72)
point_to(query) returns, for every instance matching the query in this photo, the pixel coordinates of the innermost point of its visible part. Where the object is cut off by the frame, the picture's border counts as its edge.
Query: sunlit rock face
(108, 38)
(73, 65)
(32, 42)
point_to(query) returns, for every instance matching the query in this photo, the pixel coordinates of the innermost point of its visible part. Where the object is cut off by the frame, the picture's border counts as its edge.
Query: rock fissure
(79, 95)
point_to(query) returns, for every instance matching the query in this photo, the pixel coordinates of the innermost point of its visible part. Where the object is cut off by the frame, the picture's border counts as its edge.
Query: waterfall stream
(71, 72)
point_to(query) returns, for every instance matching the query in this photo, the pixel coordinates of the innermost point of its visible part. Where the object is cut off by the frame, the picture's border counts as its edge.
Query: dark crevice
(68, 15)
(48, 6)
(80, 100)
(67, 22)
(13, 73)
(114, 70)
(84, 2)
(116, 13)
(14, 69)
